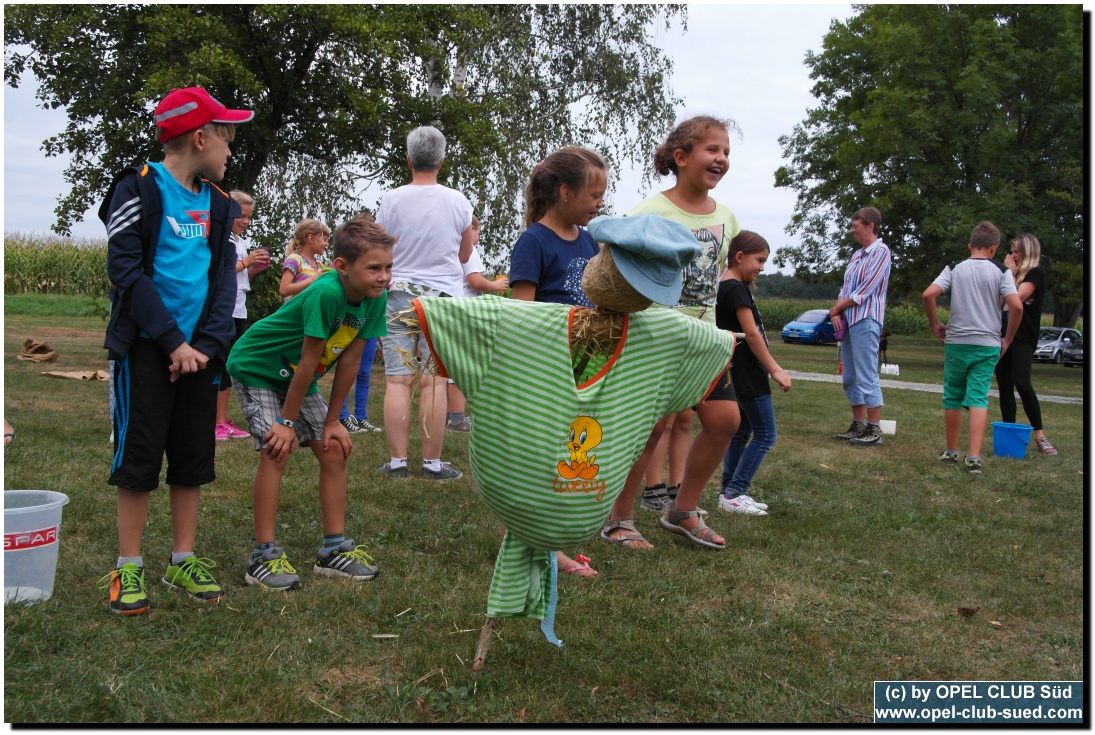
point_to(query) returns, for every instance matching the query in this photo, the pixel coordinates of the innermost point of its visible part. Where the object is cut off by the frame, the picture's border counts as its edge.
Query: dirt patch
(790, 595)
(367, 677)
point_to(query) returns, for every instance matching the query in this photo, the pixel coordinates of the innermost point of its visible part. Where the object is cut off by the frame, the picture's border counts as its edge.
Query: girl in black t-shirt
(735, 310)
(1013, 370)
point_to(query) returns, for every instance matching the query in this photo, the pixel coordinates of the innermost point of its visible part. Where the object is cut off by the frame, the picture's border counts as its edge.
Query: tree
(336, 88)
(781, 286)
(943, 116)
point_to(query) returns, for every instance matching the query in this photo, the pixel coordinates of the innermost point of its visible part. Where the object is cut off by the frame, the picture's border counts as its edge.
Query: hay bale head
(605, 286)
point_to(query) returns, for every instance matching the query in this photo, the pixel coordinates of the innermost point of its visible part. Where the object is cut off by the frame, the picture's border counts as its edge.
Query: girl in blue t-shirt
(564, 193)
(566, 190)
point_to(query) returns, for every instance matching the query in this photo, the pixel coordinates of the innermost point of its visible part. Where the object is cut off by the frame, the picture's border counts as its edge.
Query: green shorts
(967, 375)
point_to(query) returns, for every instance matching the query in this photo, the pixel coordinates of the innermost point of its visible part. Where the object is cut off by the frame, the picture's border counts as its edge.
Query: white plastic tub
(32, 531)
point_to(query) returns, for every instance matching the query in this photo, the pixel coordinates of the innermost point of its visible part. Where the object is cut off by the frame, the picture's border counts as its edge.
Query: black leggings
(1013, 373)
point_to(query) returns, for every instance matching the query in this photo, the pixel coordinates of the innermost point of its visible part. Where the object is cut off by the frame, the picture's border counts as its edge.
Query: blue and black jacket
(133, 214)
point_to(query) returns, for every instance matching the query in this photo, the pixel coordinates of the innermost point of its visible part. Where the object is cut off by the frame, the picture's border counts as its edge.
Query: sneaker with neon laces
(349, 560)
(742, 505)
(220, 431)
(192, 576)
(366, 426)
(447, 472)
(233, 432)
(127, 590)
(972, 465)
(272, 571)
(948, 457)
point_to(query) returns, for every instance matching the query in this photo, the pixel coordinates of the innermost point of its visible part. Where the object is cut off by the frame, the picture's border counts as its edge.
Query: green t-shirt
(267, 354)
(714, 232)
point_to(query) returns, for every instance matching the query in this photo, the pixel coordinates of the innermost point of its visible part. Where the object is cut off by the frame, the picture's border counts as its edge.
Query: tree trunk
(1065, 313)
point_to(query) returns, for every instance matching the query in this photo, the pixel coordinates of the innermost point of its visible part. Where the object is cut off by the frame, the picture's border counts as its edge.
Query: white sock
(176, 559)
(395, 463)
(126, 559)
(434, 465)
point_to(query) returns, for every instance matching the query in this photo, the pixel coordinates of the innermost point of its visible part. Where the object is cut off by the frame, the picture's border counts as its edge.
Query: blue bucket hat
(650, 252)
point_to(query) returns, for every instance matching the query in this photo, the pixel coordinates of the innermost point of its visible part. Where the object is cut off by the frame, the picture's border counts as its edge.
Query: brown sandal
(701, 535)
(624, 539)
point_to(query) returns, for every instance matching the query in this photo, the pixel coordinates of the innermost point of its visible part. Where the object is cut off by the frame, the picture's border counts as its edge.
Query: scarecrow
(565, 397)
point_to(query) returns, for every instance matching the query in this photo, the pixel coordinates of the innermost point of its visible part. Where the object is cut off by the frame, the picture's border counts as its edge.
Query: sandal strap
(704, 531)
(611, 526)
(675, 516)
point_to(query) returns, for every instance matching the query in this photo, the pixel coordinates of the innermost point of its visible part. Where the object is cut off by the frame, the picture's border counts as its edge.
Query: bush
(264, 298)
(901, 319)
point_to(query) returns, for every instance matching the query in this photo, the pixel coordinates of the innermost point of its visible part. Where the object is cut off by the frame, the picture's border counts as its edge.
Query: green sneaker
(192, 576)
(127, 592)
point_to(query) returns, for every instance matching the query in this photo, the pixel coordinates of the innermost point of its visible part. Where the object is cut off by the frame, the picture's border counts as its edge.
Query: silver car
(1074, 353)
(1052, 342)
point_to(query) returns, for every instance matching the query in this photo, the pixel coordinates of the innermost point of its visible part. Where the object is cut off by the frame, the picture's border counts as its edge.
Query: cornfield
(54, 265)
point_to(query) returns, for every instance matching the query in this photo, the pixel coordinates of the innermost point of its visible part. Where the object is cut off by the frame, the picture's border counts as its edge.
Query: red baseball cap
(188, 109)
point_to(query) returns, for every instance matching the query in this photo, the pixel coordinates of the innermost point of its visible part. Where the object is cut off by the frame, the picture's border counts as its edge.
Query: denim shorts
(404, 351)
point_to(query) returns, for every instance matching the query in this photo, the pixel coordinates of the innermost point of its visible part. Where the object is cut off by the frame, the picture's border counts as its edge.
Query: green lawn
(855, 576)
(920, 360)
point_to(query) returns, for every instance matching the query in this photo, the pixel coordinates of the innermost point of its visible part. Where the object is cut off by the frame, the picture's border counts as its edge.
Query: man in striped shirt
(861, 306)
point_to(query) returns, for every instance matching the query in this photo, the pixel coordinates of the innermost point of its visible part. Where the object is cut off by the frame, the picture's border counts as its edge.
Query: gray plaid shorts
(262, 405)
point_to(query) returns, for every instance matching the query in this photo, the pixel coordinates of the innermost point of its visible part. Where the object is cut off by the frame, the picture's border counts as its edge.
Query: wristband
(285, 422)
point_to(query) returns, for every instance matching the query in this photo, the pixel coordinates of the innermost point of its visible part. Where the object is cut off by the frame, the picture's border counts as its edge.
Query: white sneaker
(742, 504)
(762, 506)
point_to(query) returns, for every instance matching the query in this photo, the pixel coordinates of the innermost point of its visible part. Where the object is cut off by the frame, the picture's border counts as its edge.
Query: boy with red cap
(172, 264)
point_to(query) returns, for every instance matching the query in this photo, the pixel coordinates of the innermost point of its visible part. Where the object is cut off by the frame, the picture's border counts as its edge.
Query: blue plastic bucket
(1010, 440)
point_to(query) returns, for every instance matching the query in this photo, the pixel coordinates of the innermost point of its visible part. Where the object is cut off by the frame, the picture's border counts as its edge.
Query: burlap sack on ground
(37, 351)
(100, 375)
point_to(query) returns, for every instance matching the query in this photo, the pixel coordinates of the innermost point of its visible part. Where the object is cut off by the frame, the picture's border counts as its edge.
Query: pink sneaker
(233, 432)
(221, 432)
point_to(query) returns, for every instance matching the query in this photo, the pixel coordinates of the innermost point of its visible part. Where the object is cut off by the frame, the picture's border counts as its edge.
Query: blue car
(812, 327)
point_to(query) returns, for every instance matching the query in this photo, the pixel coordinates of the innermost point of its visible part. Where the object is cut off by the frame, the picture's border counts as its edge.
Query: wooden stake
(483, 645)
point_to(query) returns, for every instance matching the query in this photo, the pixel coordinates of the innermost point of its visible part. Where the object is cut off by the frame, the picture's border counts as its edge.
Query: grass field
(856, 576)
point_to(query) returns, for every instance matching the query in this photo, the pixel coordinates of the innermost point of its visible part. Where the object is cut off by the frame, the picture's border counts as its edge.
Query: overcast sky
(743, 62)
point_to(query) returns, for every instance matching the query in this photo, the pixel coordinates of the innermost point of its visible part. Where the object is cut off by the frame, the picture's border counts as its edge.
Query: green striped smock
(549, 457)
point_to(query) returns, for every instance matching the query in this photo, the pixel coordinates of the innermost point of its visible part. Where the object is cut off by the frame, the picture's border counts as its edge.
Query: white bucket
(32, 530)
(887, 426)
